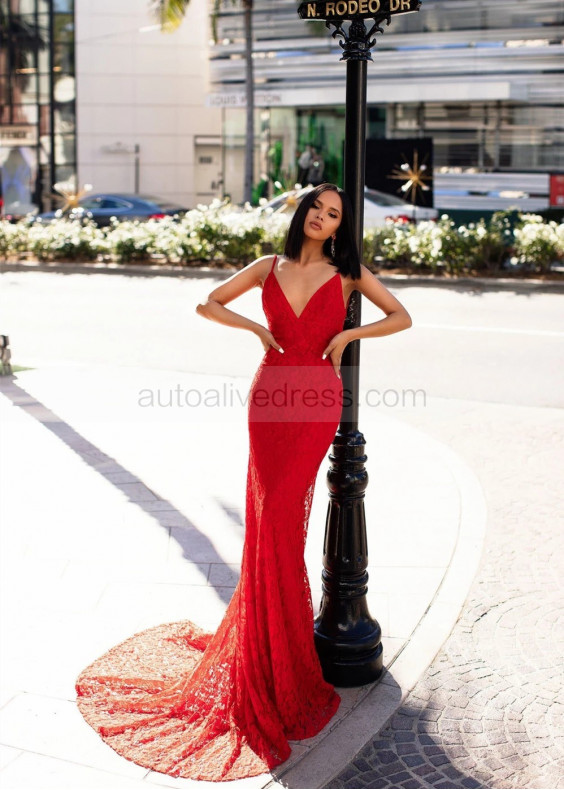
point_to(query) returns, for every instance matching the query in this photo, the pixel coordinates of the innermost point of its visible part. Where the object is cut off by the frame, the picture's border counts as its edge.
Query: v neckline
(297, 317)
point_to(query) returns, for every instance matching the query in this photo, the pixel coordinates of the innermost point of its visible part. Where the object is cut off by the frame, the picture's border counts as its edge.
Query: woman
(223, 706)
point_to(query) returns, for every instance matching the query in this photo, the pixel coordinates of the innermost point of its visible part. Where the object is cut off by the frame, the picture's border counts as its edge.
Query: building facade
(92, 92)
(142, 96)
(483, 79)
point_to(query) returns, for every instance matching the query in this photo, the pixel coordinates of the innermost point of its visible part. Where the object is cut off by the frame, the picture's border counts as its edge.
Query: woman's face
(324, 216)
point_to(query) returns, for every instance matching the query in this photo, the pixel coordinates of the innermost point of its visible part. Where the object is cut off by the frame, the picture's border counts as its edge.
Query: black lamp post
(347, 637)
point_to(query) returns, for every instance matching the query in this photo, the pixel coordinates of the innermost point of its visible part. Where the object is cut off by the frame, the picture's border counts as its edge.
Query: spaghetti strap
(273, 262)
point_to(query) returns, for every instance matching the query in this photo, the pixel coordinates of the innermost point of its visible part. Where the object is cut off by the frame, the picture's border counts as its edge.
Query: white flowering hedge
(530, 245)
(218, 232)
(539, 242)
(222, 234)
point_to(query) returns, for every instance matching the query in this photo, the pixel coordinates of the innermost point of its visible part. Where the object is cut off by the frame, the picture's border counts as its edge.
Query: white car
(379, 207)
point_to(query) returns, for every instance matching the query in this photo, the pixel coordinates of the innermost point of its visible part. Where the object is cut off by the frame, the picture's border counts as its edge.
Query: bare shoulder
(365, 272)
(250, 276)
(255, 273)
(262, 267)
(370, 286)
(368, 279)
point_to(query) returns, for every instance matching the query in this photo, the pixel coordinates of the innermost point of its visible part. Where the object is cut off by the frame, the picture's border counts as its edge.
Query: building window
(37, 102)
(487, 135)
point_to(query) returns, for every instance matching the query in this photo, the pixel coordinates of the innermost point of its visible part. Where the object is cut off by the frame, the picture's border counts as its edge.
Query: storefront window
(323, 129)
(284, 139)
(487, 135)
(33, 69)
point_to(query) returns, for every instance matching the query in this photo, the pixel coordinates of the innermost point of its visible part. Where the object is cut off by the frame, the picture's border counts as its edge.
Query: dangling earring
(332, 246)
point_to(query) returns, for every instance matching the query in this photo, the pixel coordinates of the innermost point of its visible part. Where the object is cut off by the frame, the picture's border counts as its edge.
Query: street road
(494, 346)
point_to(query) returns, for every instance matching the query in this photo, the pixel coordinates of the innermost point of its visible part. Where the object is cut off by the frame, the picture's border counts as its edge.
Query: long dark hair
(346, 257)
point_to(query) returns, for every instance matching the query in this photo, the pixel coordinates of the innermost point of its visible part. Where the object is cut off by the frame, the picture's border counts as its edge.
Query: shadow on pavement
(189, 537)
(407, 753)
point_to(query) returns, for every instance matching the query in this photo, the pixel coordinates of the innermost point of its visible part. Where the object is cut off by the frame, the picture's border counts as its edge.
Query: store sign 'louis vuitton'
(351, 9)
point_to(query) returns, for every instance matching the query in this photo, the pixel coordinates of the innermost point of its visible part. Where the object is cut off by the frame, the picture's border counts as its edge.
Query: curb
(199, 272)
(341, 745)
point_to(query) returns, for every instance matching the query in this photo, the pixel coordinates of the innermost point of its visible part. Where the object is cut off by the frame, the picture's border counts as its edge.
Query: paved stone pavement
(111, 524)
(489, 710)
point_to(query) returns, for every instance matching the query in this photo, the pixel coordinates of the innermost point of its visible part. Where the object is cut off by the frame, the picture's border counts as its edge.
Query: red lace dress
(223, 706)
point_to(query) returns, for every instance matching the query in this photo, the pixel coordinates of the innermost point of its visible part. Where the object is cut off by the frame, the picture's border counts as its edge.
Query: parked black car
(101, 207)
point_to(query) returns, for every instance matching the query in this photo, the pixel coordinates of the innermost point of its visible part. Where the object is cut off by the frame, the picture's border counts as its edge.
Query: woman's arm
(241, 282)
(397, 318)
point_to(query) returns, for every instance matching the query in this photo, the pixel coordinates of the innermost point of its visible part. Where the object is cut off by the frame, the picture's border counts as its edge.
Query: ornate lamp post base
(363, 665)
(347, 638)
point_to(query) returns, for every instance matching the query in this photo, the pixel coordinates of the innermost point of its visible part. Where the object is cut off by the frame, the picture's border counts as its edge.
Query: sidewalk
(489, 711)
(112, 522)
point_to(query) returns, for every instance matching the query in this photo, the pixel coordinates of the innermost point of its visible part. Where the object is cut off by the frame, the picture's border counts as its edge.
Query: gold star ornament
(70, 195)
(414, 177)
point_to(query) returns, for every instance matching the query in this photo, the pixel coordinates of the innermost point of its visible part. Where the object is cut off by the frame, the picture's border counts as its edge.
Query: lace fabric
(224, 706)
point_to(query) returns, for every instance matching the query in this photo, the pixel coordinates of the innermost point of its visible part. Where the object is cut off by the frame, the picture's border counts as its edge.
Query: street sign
(342, 10)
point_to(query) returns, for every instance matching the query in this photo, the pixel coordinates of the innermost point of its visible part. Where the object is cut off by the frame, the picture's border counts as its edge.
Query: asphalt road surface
(497, 346)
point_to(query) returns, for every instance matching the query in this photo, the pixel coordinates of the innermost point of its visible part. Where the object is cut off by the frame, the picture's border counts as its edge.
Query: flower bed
(222, 235)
